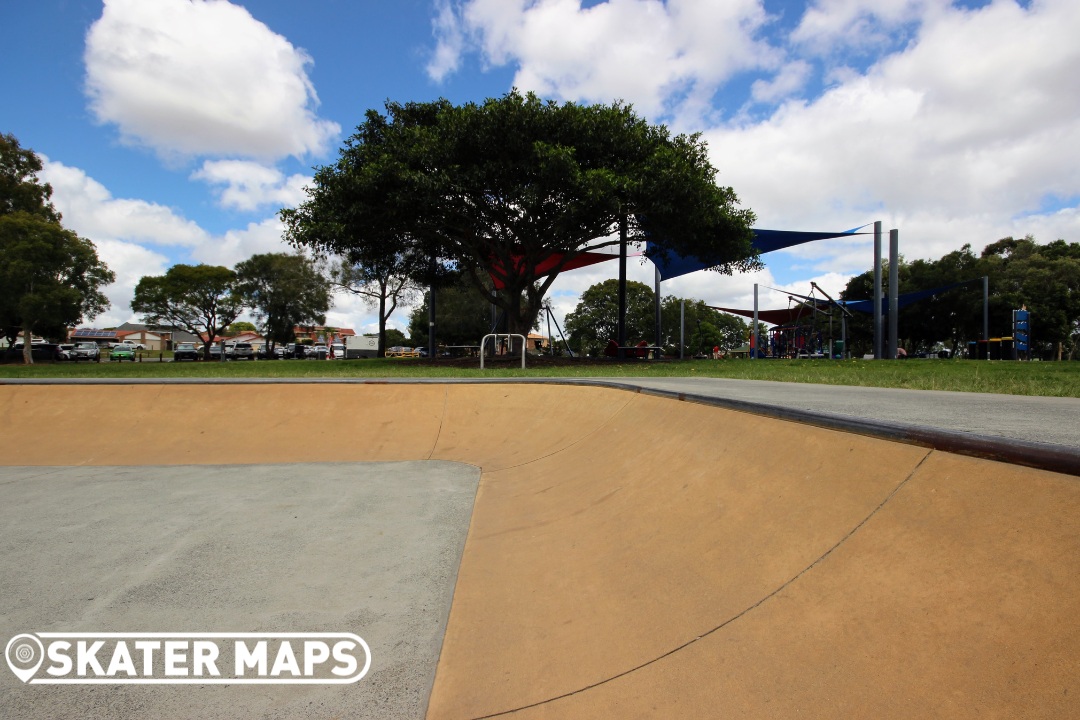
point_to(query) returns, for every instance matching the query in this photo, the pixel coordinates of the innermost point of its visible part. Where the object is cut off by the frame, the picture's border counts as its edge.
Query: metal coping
(1042, 456)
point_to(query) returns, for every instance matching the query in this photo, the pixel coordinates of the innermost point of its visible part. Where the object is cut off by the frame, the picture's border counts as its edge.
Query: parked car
(399, 351)
(67, 351)
(122, 352)
(215, 352)
(318, 352)
(86, 351)
(133, 346)
(185, 351)
(339, 351)
(242, 351)
(45, 351)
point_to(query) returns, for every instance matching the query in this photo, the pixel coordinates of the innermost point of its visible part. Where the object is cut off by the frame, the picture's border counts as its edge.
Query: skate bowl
(635, 556)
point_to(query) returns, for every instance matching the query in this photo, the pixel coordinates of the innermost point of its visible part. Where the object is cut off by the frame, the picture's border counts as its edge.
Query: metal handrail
(483, 344)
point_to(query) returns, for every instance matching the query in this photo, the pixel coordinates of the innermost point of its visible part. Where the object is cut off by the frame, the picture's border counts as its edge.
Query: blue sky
(173, 130)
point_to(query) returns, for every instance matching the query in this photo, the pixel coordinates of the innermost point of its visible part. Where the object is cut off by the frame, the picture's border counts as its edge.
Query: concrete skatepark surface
(635, 556)
(264, 548)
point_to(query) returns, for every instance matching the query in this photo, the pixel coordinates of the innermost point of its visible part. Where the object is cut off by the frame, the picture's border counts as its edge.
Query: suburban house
(167, 336)
(148, 339)
(319, 334)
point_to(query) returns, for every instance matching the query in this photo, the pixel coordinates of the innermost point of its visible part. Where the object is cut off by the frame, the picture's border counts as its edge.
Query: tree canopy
(19, 186)
(595, 319)
(50, 277)
(284, 291)
(501, 186)
(202, 299)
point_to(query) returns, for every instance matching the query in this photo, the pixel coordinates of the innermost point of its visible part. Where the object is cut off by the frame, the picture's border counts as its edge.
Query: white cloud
(658, 56)
(130, 262)
(831, 25)
(961, 137)
(91, 211)
(790, 80)
(447, 28)
(201, 77)
(237, 245)
(250, 185)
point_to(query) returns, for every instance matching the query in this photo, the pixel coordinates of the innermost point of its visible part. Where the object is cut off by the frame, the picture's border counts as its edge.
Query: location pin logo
(24, 655)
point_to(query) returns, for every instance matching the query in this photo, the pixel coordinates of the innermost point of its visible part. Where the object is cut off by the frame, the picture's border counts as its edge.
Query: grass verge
(1059, 379)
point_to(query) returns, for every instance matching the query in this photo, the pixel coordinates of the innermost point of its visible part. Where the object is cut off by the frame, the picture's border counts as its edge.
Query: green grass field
(1061, 379)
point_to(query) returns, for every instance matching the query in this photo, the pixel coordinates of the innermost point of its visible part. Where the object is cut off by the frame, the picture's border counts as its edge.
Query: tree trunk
(382, 325)
(520, 320)
(28, 349)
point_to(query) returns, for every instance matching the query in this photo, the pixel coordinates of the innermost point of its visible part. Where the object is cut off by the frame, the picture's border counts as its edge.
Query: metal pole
(894, 290)
(551, 345)
(753, 329)
(431, 312)
(656, 302)
(431, 322)
(986, 313)
(682, 327)
(622, 283)
(877, 291)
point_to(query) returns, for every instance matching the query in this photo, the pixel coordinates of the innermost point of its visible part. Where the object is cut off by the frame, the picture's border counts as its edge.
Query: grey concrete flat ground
(367, 548)
(1049, 420)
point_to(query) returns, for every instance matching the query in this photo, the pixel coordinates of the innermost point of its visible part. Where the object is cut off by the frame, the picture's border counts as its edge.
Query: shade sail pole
(682, 327)
(622, 283)
(754, 329)
(894, 291)
(877, 291)
(656, 304)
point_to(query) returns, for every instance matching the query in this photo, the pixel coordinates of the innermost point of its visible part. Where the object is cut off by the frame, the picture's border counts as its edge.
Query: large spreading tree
(284, 291)
(202, 299)
(50, 278)
(517, 188)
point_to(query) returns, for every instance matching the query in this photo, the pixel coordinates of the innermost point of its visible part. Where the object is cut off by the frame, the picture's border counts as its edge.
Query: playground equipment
(495, 338)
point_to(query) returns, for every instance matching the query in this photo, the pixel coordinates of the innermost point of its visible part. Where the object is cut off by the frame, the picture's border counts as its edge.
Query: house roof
(94, 334)
(178, 334)
(145, 333)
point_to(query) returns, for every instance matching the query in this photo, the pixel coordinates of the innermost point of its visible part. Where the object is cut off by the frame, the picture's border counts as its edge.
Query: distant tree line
(1022, 273)
(593, 322)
